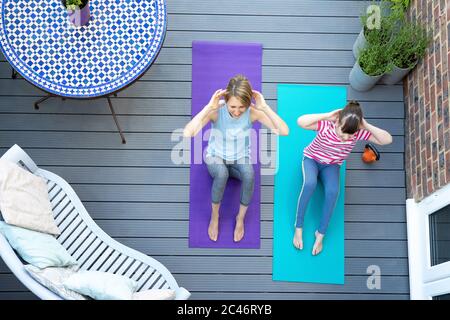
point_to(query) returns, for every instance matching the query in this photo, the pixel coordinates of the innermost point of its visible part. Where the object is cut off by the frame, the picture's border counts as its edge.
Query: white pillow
(24, 199)
(40, 249)
(53, 278)
(155, 294)
(101, 285)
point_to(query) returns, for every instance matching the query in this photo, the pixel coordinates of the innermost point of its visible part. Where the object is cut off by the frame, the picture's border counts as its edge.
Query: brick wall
(427, 129)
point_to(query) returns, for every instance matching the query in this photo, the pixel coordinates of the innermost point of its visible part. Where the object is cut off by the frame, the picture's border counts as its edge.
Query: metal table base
(14, 74)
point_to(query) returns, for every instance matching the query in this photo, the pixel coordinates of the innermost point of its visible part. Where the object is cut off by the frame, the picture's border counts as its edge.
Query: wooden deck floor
(138, 196)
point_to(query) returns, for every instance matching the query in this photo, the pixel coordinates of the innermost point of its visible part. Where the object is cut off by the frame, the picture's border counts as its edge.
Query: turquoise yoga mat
(289, 263)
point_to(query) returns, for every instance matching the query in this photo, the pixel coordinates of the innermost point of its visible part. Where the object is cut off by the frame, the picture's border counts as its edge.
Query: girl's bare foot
(318, 245)
(298, 238)
(213, 230)
(239, 229)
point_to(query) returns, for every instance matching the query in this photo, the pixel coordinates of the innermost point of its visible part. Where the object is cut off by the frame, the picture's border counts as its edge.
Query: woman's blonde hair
(240, 87)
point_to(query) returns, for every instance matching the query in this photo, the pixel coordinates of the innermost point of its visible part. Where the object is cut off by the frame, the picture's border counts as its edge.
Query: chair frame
(109, 253)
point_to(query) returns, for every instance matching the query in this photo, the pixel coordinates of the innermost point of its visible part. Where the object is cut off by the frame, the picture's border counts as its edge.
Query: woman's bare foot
(213, 230)
(318, 244)
(239, 229)
(298, 238)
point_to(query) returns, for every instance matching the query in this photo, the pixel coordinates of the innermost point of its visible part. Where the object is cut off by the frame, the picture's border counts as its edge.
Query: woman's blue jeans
(220, 170)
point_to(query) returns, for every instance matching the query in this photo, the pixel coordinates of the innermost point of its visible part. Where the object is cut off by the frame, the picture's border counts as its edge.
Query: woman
(228, 152)
(337, 133)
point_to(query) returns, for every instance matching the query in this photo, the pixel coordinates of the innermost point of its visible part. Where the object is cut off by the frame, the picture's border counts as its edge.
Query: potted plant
(390, 17)
(78, 11)
(399, 5)
(407, 47)
(370, 66)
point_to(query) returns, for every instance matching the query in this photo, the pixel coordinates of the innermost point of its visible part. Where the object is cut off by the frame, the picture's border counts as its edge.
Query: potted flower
(407, 47)
(78, 11)
(370, 66)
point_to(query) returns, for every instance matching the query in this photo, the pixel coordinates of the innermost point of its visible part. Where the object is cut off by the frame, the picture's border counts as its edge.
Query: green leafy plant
(389, 22)
(409, 45)
(74, 4)
(374, 59)
(399, 5)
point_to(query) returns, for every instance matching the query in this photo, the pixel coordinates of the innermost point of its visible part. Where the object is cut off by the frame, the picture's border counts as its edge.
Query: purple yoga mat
(213, 64)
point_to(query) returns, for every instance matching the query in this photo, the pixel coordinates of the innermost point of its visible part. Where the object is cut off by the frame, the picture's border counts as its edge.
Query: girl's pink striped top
(328, 148)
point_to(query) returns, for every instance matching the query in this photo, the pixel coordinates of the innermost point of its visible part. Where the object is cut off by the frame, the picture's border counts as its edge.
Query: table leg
(13, 73)
(36, 104)
(115, 120)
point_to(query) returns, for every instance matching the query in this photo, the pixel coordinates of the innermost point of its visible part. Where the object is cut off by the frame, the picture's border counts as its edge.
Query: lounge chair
(85, 241)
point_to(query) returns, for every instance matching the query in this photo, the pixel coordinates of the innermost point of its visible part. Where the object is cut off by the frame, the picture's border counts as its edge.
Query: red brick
(428, 145)
(429, 186)
(446, 113)
(448, 51)
(421, 81)
(448, 12)
(441, 141)
(427, 90)
(447, 165)
(429, 168)
(424, 63)
(448, 54)
(444, 44)
(429, 13)
(413, 182)
(423, 162)
(442, 179)
(433, 99)
(422, 135)
(435, 175)
(442, 7)
(417, 154)
(438, 76)
(431, 67)
(447, 139)
(436, 19)
(437, 51)
(433, 126)
(424, 184)
(445, 85)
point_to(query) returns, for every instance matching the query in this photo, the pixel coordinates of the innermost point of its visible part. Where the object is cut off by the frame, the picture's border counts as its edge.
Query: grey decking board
(117, 175)
(176, 89)
(180, 193)
(17, 295)
(289, 7)
(183, 90)
(105, 123)
(257, 23)
(353, 248)
(158, 158)
(262, 265)
(177, 211)
(135, 140)
(295, 296)
(155, 106)
(252, 283)
(179, 229)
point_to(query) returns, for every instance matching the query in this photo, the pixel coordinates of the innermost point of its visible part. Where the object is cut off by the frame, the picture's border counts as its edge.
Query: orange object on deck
(370, 154)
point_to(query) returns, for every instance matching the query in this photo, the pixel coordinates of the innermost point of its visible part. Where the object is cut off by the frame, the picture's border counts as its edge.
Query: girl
(228, 152)
(337, 133)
